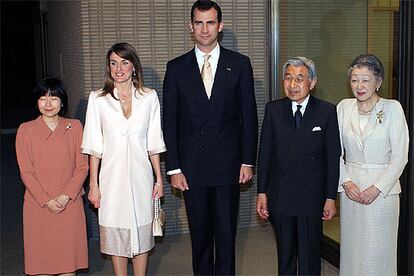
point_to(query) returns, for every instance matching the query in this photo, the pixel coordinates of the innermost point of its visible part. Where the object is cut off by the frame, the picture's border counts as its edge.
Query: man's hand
(329, 210)
(369, 195)
(246, 173)
(179, 181)
(261, 206)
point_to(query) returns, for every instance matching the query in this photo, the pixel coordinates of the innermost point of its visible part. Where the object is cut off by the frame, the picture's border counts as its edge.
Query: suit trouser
(212, 217)
(298, 244)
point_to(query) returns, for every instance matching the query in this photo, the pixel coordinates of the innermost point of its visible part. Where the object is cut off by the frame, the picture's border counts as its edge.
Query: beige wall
(334, 32)
(380, 38)
(66, 55)
(80, 32)
(331, 33)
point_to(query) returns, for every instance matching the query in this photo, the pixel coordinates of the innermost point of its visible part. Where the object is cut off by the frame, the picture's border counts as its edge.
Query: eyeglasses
(298, 79)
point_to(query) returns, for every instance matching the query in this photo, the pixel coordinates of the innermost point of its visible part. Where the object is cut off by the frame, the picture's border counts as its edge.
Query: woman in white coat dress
(123, 135)
(374, 139)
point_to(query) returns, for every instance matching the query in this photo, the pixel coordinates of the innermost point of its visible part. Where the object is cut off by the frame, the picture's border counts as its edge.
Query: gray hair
(369, 61)
(302, 61)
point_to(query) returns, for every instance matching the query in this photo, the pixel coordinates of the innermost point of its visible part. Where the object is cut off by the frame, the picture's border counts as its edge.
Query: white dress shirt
(303, 106)
(213, 60)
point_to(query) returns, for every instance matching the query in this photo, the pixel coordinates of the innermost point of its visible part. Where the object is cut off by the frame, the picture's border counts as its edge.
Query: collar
(215, 53)
(45, 131)
(303, 104)
(373, 121)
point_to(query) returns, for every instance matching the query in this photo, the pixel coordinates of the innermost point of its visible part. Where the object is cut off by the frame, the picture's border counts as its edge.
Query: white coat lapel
(356, 129)
(373, 120)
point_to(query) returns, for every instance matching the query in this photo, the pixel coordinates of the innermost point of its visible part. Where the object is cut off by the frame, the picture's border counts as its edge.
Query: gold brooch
(380, 116)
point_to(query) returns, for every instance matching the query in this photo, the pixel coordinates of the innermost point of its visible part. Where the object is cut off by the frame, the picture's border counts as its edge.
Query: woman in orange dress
(53, 171)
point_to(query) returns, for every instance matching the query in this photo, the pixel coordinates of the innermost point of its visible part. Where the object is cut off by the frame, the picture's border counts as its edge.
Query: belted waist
(366, 165)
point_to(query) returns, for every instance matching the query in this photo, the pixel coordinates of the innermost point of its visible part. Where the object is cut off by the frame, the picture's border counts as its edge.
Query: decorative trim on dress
(117, 241)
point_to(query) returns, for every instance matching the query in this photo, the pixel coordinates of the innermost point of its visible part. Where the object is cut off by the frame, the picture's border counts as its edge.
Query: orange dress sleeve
(27, 171)
(75, 184)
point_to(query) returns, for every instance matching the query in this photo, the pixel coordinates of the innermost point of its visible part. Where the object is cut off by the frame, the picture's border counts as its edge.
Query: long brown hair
(125, 51)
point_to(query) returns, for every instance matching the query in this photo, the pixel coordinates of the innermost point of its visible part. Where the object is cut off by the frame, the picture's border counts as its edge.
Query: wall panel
(331, 33)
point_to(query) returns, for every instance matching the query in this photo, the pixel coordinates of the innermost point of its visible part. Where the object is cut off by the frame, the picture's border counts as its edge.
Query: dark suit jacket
(299, 170)
(210, 139)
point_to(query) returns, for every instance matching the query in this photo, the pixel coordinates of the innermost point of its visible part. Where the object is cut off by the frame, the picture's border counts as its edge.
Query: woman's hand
(352, 191)
(62, 200)
(158, 190)
(54, 207)
(94, 195)
(369, 195)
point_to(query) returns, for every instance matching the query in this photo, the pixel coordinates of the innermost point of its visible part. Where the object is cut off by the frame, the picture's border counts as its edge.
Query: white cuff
(176, 171)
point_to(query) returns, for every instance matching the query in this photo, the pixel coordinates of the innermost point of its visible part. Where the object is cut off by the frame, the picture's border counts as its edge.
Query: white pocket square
(317, 128)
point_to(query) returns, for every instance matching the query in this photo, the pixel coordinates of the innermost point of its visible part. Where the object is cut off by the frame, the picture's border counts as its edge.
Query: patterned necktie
(207, 75)
(298, 116)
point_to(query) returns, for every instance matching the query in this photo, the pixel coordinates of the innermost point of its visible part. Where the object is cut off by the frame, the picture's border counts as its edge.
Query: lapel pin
(228, 69)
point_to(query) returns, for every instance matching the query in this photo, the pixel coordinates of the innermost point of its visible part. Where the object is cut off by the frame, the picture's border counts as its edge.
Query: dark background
(21, 61)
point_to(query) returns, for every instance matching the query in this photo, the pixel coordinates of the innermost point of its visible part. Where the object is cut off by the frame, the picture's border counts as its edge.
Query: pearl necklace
(365, 112)
(368, 111)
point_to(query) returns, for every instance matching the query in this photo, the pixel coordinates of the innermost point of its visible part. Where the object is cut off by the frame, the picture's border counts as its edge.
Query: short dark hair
(205, 5)
(369, 61)
(52, 87)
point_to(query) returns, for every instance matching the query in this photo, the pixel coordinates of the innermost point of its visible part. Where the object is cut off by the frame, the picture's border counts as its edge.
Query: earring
(377, 89)
(133, 72)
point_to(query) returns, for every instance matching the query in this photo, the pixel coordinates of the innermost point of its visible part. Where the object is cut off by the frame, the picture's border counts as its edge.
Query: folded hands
(366, 196)
(57, 204)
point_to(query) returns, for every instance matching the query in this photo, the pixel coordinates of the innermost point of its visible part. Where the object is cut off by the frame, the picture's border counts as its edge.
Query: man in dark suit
(298, 169)
(210, 129)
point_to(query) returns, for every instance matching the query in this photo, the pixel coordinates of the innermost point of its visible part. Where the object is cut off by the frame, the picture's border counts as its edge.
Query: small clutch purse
(159, 219)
